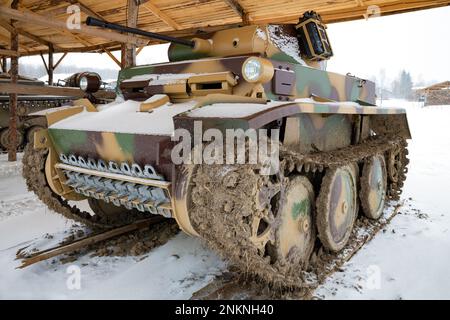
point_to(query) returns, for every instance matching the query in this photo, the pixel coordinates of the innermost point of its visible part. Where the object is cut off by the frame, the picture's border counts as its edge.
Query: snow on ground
(409, 260)
(173, 271)
(8, 169)
(412, 258)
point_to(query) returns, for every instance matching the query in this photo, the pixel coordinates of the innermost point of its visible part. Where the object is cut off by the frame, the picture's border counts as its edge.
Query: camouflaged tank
(27, 104)
(340, 157)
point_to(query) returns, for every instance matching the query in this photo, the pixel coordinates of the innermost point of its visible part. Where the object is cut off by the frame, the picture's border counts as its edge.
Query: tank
(181, 142)
(27, 125)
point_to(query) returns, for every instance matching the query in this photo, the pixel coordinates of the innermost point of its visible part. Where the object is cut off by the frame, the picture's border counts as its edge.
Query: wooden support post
(112, 57)
(139, 50)
(123, 50)
(129, 50)
(51, 65)
(4, 65)
(44, 62)
(60, 60)
(12, 148)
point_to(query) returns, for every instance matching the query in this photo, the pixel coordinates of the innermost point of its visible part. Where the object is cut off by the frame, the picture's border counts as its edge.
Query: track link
(34, 174)
(227, 199)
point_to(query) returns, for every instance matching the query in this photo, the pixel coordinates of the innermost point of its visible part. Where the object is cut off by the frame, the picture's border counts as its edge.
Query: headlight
(84, 83)
(257, 70)
(90, 82)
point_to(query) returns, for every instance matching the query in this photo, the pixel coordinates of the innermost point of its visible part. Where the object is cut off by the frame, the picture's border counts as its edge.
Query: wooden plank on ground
(87, 241)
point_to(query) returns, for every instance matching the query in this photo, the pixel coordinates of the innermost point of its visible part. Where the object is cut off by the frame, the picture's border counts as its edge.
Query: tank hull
(258, 154)
(27, 105)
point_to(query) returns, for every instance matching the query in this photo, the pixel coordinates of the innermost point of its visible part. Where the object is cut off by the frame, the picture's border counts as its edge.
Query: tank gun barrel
(91, 21)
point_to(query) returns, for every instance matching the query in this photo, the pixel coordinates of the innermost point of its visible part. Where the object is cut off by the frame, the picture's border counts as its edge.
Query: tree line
(38, 70)
(401, 87)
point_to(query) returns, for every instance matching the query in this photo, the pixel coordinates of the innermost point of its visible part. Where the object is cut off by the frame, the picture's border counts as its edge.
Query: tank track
(34, 174)
(41, 104)
(26, 107)
(223, 217)
(132, 196)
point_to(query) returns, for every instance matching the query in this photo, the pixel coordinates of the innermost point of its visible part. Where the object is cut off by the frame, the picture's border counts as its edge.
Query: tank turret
(307, 39)
(257, 61)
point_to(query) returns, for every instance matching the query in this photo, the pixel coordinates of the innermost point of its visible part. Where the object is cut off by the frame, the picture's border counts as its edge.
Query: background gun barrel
(91, 21)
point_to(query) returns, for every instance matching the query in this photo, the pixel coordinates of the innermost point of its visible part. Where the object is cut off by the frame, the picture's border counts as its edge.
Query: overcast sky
(417, 42)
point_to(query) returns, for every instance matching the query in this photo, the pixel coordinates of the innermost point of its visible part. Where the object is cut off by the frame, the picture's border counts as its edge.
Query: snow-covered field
(410, 259)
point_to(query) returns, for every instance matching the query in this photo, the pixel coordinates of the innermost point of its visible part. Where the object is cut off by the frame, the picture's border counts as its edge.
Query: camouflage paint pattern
(117, 147)
(304, 129)
(309, 132)
(342, 203)
(321, 118)
(242, 41)
(373, 187)
(320, 107)
(258, 41)
(307, 81)
(296, 231)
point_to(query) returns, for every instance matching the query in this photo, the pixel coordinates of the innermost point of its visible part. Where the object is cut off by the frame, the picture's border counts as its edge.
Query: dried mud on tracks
(238, 286)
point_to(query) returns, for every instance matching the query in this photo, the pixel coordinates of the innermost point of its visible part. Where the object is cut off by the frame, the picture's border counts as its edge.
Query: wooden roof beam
(8, 53)
(7, 26)
(60, 60)
(351, 13)
(112, 46)
(385, 10)
(62, 31)
(7, 41)
(113, 58)
(237, 7)
(146, 4)
(30, 17)
(34, 38)
(86, 9)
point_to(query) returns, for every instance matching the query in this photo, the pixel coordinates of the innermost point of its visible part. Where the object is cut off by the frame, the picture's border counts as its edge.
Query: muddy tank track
(39, 104)
(26, 107)
(225, 200)
(34, 174)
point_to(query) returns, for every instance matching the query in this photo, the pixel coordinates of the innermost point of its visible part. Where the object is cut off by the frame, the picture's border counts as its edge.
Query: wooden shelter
(436, 94)
(32, 27)
(41, 22)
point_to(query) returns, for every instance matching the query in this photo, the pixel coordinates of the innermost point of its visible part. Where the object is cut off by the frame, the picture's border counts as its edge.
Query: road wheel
(337, 207)
(373, 187)
(31, 131)
(295, 231)
(5, 138)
